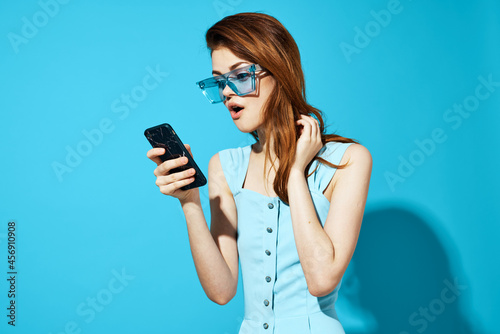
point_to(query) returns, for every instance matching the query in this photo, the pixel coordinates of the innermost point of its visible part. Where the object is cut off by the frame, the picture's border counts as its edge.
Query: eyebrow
(234, 66)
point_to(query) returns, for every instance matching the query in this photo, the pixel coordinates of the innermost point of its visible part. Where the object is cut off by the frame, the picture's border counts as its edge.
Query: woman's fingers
(189, 149)
(306, 127)
(315, 130)
(166, 166)
(163, 180)
(155, 153)
(170, 188)
(310, 126)
(170, 182)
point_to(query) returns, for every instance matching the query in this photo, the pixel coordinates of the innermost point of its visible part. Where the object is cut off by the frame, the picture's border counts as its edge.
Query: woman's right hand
(170, 183)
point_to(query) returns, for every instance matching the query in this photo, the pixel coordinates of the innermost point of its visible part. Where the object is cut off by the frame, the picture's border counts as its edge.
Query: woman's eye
(242, 76)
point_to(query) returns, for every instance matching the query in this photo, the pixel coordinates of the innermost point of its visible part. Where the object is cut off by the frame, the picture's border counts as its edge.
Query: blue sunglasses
(240, 80)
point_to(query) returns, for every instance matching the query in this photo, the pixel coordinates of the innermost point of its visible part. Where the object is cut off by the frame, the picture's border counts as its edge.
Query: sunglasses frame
(225, 79)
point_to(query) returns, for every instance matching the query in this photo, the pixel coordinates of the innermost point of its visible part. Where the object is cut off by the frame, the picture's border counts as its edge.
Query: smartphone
(164, 136)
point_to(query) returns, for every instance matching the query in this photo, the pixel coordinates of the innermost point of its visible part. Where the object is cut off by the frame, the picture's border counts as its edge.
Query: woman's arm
(325, 252)
(214, 251)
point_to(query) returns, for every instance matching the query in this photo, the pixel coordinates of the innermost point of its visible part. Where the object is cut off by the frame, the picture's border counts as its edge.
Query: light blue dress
(275, 291)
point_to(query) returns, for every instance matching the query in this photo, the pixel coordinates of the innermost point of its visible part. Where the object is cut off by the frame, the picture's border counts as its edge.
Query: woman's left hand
(309, 142)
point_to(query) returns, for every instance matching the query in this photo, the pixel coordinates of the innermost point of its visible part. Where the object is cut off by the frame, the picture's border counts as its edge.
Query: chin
(243, 128)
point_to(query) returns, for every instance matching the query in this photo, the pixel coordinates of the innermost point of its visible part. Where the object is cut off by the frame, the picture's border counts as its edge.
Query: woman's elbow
(322, 288)
(221, 298)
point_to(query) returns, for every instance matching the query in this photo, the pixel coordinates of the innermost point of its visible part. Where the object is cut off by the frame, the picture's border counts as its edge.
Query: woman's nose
(227, 92)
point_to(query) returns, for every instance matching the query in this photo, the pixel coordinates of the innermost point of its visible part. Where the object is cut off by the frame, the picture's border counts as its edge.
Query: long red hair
(262, 39)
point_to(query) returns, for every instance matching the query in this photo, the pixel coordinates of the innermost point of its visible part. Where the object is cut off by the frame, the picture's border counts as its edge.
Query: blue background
(431, 218)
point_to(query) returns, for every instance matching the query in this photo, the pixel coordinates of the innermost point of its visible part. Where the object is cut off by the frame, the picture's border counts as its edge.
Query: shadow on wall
(400, 280)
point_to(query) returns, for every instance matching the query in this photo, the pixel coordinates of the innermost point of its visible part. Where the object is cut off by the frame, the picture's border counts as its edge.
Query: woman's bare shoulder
(358, 164)
(358, 154)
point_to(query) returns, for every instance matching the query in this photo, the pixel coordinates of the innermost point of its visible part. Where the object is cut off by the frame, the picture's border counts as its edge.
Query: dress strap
(234, 162)
(331, 152)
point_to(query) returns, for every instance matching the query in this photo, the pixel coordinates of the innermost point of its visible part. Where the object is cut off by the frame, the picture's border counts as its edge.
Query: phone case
(164, 136)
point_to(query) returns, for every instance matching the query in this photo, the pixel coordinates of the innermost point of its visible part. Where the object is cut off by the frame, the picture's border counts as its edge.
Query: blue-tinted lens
(212, 89)
(241, 81)
(244, 81)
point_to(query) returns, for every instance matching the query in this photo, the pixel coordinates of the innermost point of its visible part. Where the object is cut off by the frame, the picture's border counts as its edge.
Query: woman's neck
(261, 148)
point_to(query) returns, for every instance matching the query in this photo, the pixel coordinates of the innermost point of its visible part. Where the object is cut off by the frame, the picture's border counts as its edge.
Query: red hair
(262, 39)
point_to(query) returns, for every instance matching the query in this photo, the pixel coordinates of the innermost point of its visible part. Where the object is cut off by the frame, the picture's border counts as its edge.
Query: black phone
(164, 136)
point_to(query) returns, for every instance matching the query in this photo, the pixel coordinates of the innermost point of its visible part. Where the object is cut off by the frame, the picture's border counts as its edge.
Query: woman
(294, 225)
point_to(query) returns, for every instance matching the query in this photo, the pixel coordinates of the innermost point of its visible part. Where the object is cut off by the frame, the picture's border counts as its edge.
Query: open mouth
(236, 111)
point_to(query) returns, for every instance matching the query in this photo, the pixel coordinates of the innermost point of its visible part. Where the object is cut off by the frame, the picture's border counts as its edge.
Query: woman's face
(250, 118)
